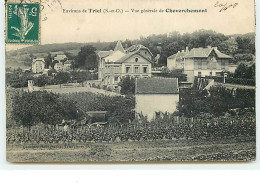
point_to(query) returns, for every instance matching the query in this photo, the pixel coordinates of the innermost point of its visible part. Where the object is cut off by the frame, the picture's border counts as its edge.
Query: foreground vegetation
(51, 127)
(238, 149)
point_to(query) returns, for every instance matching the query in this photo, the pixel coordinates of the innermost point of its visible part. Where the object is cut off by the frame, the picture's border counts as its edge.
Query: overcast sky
(85, 27)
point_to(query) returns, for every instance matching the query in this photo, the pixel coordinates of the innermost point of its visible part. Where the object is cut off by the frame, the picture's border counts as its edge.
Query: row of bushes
(19, 80)
(30, 108)
(218, 100)
(232, 80)
(241, 81)
(167, 127)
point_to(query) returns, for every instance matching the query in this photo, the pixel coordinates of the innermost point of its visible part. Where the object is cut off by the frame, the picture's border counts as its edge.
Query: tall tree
(87, 58)
(127, 85)
(48, 60)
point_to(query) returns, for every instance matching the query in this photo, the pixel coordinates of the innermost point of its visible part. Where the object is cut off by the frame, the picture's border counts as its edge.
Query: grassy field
(164, 150)
(75, 88)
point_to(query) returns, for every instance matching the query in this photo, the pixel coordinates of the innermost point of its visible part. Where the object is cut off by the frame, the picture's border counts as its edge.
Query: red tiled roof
(156, 86)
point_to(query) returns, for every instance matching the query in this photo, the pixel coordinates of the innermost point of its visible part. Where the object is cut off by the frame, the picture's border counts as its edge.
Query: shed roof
(157, 86)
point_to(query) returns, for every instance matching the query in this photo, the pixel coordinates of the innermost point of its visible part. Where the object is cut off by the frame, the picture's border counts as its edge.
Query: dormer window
(136, 59)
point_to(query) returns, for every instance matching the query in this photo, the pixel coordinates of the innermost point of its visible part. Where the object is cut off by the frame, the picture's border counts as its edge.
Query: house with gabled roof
(203, 62)
(113, 65)
(38, 65)
(176, 61)
(156, 95)
(199, 62)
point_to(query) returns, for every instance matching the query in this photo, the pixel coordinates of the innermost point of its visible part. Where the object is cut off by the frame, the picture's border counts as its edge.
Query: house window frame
(116, 77)
(138, 69)
(127, 69)
(145, 69)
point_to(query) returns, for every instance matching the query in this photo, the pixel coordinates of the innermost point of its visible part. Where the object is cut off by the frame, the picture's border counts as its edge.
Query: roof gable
(157, 86)
(205, 52)
(129, 55)
(115, 56)
(103, 54)
(38, 60)
(119, 47)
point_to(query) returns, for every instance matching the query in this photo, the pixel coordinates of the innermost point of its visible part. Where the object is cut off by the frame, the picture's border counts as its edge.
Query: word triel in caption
(139, 11)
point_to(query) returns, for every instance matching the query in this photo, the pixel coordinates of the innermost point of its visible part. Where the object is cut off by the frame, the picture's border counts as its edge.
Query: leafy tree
(41, 80)
(18, 79)
(62, 77)
(69, 55)
(229, 46)
(127, 85)
(48, 61)
(81, 76)
(36, 107)
(87, 58)
(244, 71)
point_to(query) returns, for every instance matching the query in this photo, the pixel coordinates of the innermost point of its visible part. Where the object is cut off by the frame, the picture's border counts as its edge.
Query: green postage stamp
(23, 25)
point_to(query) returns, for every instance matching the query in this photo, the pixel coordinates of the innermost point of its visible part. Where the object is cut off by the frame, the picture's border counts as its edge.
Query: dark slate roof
(156, 86)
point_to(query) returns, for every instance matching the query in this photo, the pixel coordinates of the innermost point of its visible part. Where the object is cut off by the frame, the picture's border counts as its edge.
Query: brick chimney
(187, 49)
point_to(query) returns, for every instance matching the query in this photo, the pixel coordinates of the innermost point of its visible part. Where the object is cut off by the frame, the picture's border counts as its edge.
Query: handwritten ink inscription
(225, 6)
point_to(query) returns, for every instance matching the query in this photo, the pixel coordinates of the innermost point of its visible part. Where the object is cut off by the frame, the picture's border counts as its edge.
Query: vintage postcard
(130, 81)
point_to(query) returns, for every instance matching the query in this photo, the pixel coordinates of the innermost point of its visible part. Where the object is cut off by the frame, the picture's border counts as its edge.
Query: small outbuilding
(155, 95)
(96, 116)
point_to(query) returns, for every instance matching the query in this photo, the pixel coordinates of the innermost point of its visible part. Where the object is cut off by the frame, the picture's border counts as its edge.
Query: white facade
(171, 63)
(113, 65)
(148, 104)
(58, 66)
(38, 65)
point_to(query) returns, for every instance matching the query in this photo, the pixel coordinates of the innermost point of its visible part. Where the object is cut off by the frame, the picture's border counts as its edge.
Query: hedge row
(168, 127)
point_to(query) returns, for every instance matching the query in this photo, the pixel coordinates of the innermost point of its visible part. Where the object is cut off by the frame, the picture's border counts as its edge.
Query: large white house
(38, 65)
(134, 61)
(200, 62)
(155, 95)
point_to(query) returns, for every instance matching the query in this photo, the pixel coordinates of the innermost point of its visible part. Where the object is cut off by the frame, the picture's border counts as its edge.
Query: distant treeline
(240, 47)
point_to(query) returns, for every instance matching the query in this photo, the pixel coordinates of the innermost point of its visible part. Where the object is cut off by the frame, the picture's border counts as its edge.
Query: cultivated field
(75, 88)
(239, 149)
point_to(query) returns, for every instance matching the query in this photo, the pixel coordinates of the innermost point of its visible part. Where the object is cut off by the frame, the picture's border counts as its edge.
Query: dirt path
(127, 151)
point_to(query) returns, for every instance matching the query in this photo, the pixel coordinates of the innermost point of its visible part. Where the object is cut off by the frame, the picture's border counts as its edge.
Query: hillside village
(161, 92)
(121, 70)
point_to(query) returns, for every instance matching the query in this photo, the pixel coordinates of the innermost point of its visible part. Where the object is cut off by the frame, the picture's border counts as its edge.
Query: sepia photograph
(92, 81)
